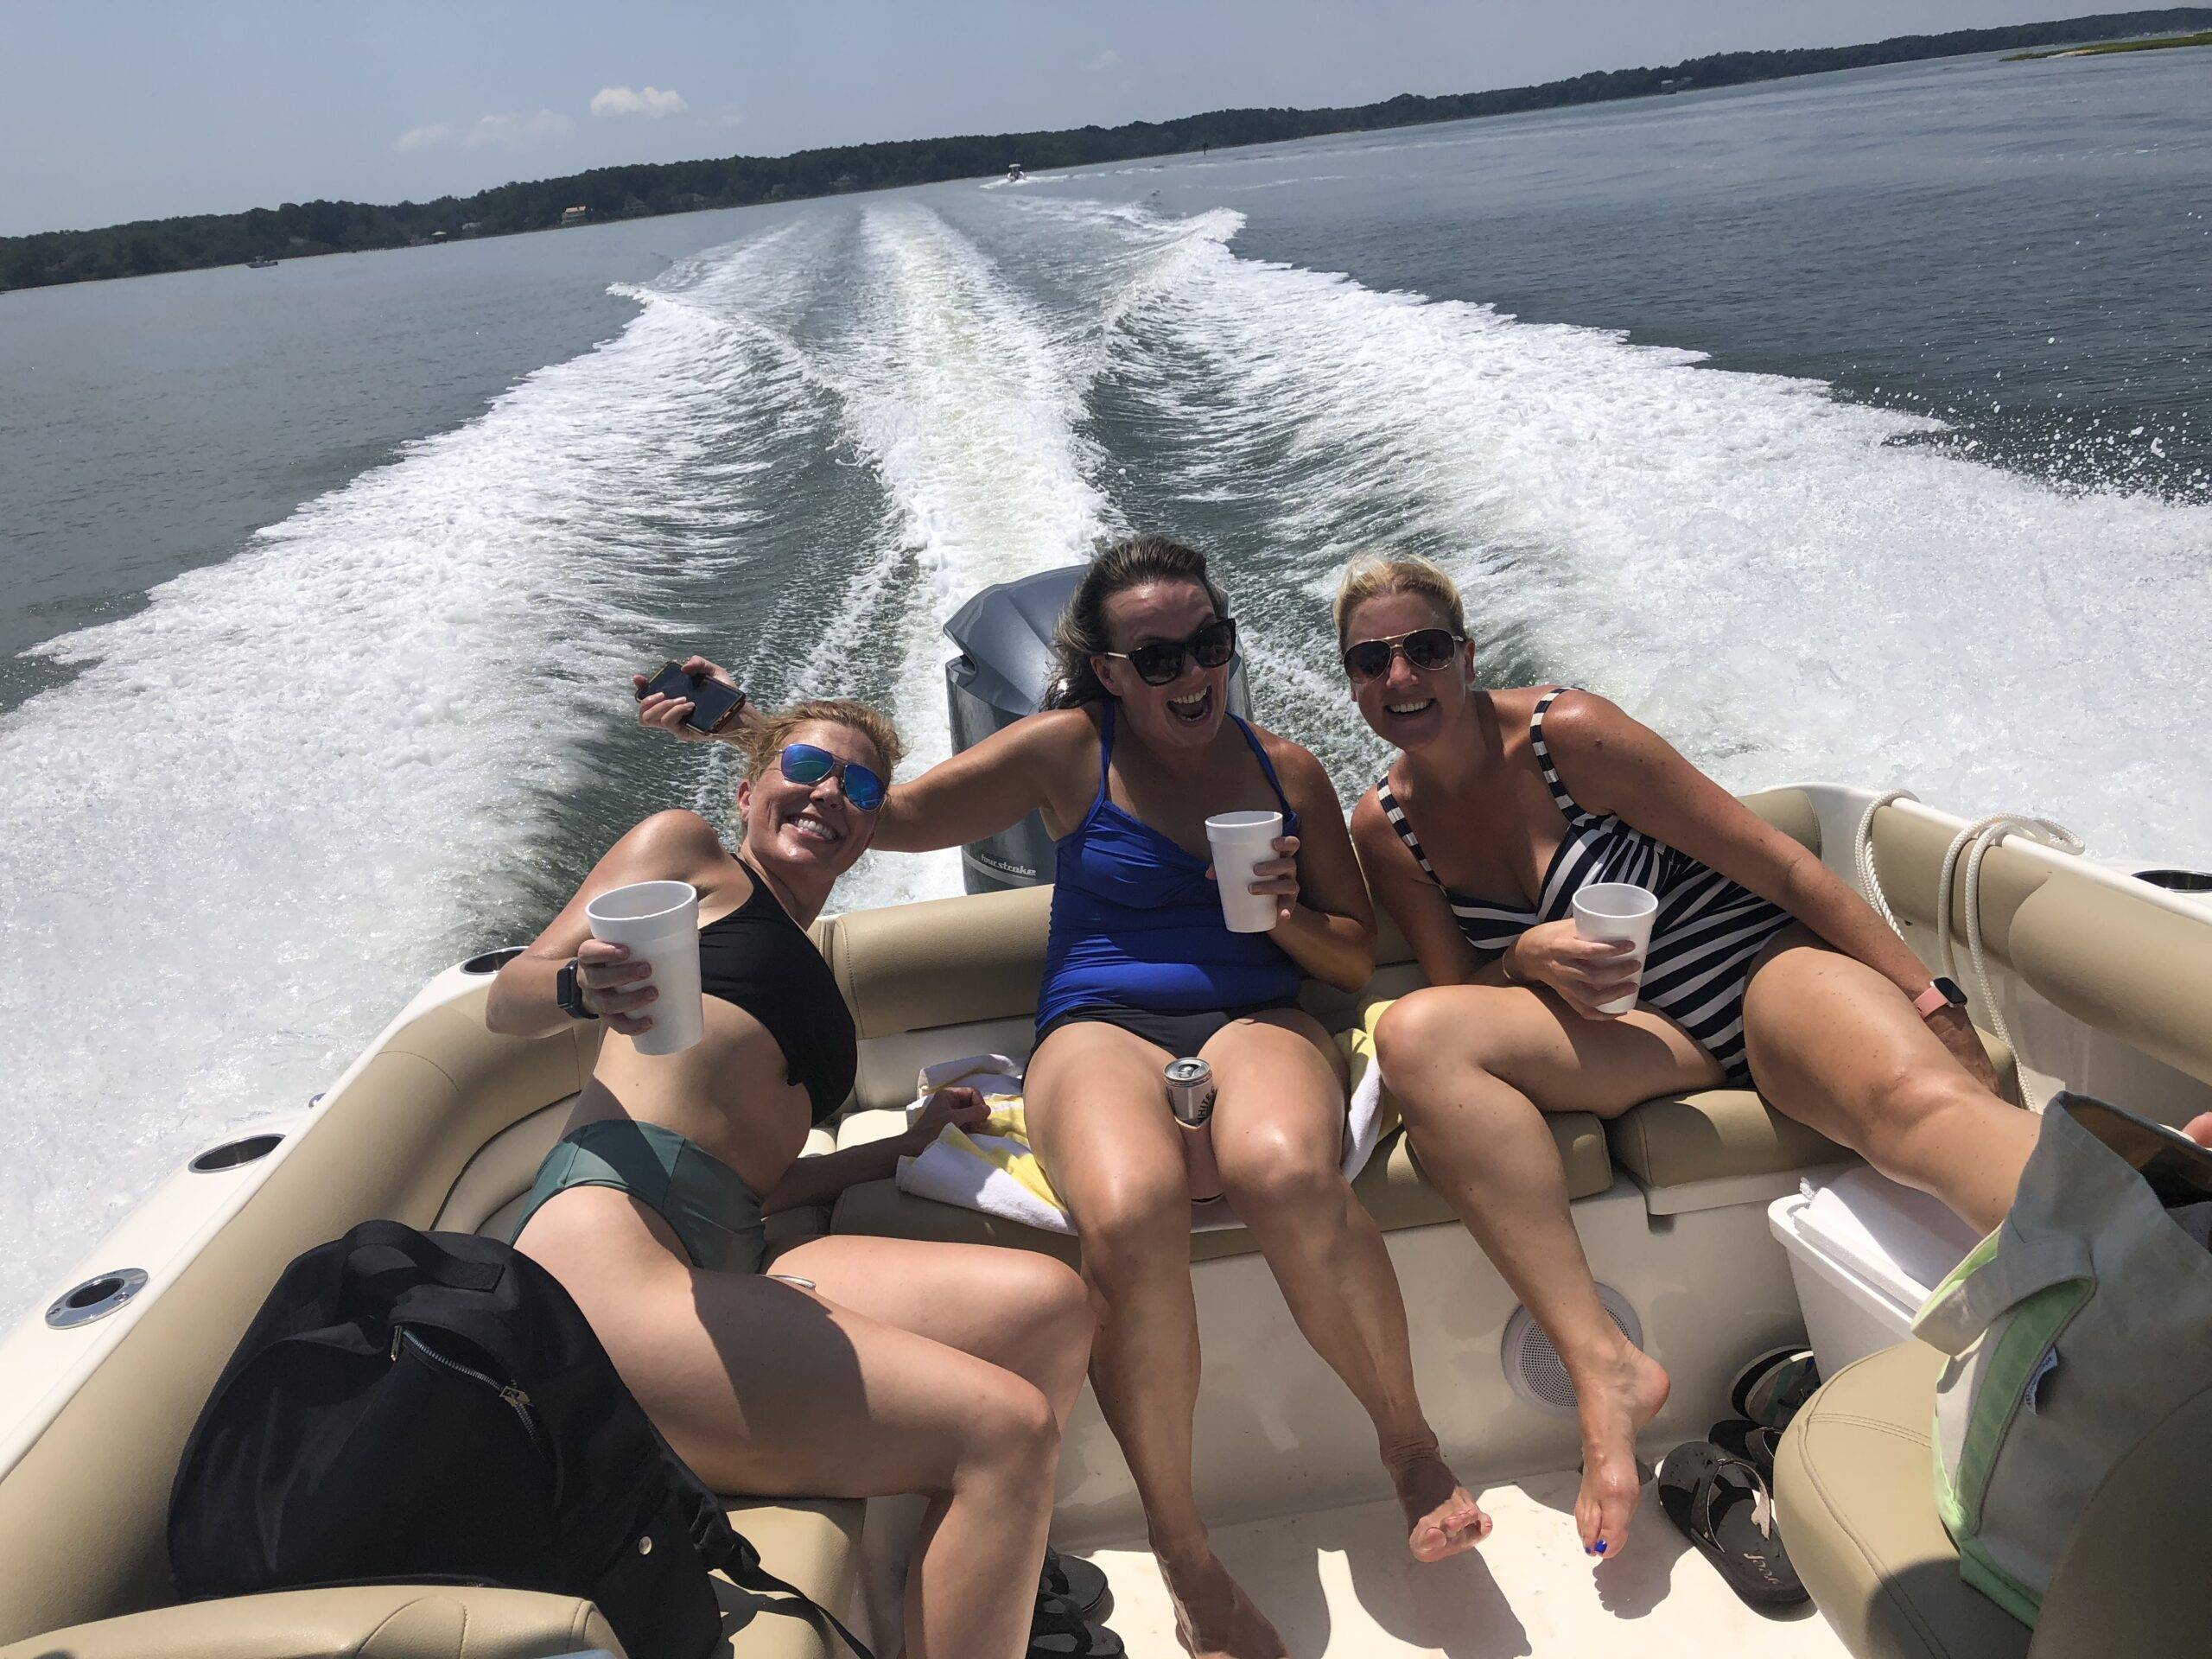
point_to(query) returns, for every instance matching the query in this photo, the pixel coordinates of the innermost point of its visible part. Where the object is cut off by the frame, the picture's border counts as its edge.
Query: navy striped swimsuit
(1702, 941)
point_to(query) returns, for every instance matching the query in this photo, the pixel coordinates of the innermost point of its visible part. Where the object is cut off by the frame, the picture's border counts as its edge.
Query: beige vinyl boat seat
(814, 1544)
(1854, 1488)
(1692, 1152)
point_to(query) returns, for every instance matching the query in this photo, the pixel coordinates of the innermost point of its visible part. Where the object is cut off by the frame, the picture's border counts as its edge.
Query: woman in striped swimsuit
(1762, 967)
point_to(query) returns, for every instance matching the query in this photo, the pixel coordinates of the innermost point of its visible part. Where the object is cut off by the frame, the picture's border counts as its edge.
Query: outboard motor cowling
(1004, 636)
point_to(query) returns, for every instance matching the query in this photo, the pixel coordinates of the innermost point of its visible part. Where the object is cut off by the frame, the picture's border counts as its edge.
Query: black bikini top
(760, 960)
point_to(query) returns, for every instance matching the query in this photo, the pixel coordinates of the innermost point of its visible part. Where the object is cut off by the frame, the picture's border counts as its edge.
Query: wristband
(1940, 995)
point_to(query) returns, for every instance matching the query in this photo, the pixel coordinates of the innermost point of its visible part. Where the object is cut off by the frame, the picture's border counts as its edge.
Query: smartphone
(714, 705)
(2175, 1166)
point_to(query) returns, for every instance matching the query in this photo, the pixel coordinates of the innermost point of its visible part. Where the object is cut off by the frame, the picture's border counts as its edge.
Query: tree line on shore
(298, 229)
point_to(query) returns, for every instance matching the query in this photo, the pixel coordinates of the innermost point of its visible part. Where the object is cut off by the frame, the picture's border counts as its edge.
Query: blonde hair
(764, 740)
(1371, 575)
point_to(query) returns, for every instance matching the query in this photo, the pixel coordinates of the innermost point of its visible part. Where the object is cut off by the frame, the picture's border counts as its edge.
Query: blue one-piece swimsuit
(1707, 931)
(1137, 926)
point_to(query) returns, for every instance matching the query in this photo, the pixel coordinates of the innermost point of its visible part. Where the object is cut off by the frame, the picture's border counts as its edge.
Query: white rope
(1862, 856)
(1974, 841)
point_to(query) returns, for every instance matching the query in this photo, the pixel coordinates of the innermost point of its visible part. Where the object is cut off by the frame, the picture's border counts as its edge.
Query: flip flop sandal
(1057, 1630)
(1075, 1579)
(1771, 1387)
(1721, 1505)
(1753, 1442)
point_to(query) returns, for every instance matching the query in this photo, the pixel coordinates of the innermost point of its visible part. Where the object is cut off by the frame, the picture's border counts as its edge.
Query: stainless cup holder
(95, 1299)
(232, 1153)
(2177, 880)
(489, 961)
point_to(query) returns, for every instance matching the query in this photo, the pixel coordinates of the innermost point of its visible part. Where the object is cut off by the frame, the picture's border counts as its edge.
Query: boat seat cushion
(1715, 1146)
(813, 1544)
(1854, 1487)
(381, 1621)
(1390, 1186)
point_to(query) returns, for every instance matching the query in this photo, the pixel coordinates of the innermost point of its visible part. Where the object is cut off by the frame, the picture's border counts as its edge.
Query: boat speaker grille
(1533, 1369)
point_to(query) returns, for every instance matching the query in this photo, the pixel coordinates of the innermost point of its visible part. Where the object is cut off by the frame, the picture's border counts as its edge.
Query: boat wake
(1770, 576)
(297, 783)
(390, 731)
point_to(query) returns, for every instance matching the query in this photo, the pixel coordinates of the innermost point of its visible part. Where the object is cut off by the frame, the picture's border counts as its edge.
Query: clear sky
(112, 110)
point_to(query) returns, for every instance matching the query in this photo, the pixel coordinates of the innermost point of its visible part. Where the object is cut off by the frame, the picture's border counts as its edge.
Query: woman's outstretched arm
(1027, 767)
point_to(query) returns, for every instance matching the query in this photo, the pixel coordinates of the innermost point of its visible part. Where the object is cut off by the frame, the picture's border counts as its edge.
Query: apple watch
(569, 994)
(1942, 993)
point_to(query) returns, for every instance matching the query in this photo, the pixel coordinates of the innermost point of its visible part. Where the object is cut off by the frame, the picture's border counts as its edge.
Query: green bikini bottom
(715, 1216)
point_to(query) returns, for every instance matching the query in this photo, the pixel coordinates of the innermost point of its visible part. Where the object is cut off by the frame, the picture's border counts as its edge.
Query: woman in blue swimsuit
(1137, 752)
(1762, 966)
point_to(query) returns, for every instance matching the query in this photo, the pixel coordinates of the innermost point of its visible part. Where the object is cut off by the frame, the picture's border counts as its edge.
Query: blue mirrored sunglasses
(801, 763)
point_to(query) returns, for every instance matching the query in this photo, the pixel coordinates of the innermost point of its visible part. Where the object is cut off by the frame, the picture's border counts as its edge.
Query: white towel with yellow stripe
(992, 1169)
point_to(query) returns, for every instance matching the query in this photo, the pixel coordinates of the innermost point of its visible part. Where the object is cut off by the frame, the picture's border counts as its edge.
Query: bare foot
(1615, 1403)
(2199, 1129)
(1214, 1618)
(1442, 1515)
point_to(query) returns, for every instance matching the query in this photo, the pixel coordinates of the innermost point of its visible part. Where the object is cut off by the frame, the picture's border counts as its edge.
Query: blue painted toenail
(1600, 1547)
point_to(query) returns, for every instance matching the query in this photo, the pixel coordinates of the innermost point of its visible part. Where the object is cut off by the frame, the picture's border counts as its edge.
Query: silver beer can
(1190, 1089)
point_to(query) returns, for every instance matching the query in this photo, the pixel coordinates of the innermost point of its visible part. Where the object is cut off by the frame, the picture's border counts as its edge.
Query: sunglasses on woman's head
(1430, 649)
(1160, 661)
(801, 763)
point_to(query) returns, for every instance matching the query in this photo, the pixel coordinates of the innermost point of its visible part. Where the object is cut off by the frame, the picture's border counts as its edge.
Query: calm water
(1852, 427)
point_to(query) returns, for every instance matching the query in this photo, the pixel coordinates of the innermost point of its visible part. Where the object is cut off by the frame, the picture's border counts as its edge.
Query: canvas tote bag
(2074, 1331)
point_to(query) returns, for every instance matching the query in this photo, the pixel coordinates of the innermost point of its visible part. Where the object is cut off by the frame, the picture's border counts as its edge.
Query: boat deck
(1339, 1582)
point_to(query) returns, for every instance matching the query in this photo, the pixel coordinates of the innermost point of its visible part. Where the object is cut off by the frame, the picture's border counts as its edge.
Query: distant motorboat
(263, 263)
(1014, 173)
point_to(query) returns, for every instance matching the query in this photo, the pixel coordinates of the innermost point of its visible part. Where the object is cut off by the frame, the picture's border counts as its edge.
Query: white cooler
(1865, 1253)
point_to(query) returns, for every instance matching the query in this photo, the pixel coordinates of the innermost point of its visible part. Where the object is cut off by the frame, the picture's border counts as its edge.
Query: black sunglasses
(1425, 648)
(1160, 661)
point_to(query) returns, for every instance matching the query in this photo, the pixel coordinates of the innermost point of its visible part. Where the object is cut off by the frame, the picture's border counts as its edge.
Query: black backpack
(432, 1407)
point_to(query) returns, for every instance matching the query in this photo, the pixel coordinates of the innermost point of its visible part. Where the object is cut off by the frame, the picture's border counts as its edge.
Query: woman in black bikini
(858, 1367)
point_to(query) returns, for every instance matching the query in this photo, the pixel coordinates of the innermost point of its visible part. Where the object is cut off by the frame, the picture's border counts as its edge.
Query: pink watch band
(1929, 1000)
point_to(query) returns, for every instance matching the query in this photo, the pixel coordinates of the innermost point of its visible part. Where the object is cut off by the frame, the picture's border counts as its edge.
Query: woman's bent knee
(1272, 1173)
(1414, 1029)
(1011, 1428)
(1911, 1098)
(1057, 1301)
(1136, 1225)
(1444, 1029)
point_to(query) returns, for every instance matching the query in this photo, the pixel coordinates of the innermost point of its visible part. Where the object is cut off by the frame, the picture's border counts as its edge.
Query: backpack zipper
(512, 1398)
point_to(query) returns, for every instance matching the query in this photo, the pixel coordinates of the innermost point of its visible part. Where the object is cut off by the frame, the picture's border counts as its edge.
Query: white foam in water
(298, 783)
(957, 394)
(1756, 569)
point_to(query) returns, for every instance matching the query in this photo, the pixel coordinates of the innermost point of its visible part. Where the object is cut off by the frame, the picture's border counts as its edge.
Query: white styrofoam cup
(1617, 910)
(1239, 841)
(659, 921)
